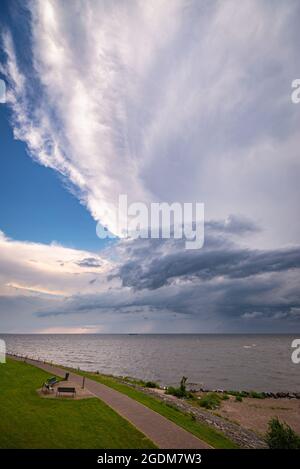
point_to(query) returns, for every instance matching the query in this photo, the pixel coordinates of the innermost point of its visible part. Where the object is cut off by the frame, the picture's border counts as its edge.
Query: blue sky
(40, 208)
(34, 203)
(182, 101)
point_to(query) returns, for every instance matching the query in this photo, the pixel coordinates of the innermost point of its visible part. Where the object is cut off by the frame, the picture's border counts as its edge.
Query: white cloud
(163, 100)
(252, 315)
(33, 268)
(71, 330)
(154, 285)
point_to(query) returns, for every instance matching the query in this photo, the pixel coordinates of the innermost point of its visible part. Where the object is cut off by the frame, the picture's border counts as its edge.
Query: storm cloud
(221, 286)
(164, 101)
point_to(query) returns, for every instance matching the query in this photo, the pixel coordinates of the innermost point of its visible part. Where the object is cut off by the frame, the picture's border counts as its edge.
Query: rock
(243, 437)
(281, 395)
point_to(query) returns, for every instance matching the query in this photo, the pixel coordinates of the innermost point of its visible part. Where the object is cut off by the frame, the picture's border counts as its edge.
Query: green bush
(140, 382)
(174, 391)
(238, 398)
(225, 397)
(256, 395)
(151, 384)
(281, 436)
(178, 392)
(211, 401)
(181, 391)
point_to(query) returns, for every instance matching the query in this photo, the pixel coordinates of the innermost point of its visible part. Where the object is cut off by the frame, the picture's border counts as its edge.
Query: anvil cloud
(181, 100)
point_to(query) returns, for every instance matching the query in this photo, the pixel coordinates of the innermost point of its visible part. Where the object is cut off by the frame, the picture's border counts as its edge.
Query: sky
(164, 101)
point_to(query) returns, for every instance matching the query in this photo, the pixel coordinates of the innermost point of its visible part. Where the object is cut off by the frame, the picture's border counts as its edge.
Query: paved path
(163, 432)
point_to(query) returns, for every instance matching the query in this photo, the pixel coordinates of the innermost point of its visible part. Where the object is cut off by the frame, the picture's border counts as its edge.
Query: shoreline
(244, 421)
(131, 381)
(210, 363)
(121, 400)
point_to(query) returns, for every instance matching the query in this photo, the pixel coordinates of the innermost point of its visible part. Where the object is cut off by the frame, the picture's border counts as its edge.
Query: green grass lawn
(29, 421)
(202, 431)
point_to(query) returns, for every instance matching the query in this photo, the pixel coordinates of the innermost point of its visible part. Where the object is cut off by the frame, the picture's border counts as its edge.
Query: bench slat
(73, 390)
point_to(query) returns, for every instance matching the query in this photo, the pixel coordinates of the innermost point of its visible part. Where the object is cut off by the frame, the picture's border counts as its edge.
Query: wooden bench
(69, 390)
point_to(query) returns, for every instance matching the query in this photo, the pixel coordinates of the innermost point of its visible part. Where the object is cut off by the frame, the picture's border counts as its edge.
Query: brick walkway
(163, 432)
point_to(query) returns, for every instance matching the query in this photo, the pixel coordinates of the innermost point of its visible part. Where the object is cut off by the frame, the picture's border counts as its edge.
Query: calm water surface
(260, 362)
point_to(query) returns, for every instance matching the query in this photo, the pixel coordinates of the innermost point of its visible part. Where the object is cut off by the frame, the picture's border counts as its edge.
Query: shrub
(151, 384)
(256, 395)
(225, 397)
(239, 399)
(210, 401)
(178, 392)
(281, 436)
(181, 391)
(173, 391)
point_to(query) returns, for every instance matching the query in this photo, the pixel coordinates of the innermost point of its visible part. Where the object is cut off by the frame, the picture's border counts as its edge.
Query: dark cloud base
(236, 288)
